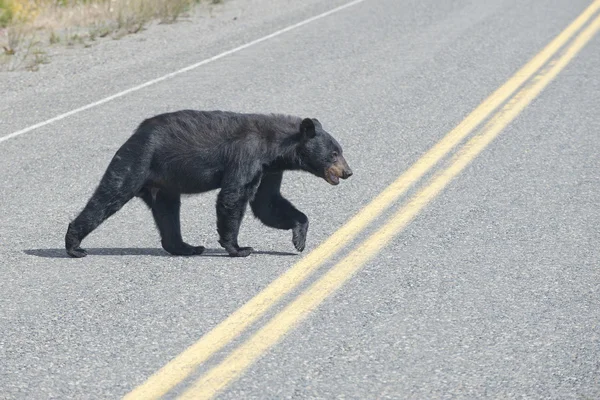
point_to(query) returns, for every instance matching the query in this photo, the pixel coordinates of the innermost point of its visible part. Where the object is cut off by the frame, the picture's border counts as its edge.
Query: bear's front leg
(277, 212)
(231, 205)
(299, 234)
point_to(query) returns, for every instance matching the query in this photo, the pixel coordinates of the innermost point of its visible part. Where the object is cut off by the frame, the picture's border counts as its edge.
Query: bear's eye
(334, 154)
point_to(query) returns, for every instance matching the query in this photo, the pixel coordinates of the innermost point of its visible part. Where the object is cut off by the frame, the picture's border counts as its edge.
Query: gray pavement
(492, 292)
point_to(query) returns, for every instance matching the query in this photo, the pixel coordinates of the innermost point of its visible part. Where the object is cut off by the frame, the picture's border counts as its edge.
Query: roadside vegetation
(28, 27)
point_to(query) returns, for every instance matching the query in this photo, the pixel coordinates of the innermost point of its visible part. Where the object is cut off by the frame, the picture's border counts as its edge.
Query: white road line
(178, 72)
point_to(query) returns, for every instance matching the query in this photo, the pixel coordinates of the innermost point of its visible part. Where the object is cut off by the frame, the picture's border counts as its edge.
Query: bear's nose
(347, 173)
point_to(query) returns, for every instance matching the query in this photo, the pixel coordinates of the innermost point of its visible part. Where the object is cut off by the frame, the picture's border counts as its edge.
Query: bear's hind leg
(165, 209)
(123, 178)
(103, 204)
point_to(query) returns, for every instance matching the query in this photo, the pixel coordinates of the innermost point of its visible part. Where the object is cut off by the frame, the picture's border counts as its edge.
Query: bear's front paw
(77, 252)
(182, 249)
(299, 236)
(241, 252)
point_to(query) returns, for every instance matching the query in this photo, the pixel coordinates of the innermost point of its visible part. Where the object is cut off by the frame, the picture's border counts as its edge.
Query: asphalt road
(492, 291)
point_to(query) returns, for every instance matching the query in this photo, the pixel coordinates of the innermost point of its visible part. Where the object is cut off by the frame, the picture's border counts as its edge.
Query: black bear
(191, 151)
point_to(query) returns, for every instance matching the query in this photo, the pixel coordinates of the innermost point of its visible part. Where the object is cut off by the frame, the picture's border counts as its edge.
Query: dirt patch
(27, 28)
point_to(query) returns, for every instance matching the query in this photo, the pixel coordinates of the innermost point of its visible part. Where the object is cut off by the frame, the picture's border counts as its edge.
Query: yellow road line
(234, 365)
(185, 363)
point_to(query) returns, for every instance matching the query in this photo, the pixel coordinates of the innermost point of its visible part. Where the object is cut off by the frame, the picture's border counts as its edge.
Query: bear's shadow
(139, 251)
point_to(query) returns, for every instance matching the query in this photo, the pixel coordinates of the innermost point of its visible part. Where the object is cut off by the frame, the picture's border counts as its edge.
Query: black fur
(197, 151)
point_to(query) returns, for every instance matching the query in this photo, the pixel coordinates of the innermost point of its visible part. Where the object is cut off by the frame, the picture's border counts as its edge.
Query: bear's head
(320, 154)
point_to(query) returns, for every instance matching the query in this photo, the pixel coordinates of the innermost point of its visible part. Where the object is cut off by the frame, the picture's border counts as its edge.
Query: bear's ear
(307, 128)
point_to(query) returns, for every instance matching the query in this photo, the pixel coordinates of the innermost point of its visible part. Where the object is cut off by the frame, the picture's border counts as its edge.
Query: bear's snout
(344, 169)
(346, 173)
(339, 169)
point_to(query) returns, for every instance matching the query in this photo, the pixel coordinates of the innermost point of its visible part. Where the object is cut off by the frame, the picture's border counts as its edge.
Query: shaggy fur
(191, 151)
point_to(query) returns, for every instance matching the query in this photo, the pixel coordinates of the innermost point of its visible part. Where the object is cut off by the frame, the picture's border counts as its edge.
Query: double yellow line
(508, 101)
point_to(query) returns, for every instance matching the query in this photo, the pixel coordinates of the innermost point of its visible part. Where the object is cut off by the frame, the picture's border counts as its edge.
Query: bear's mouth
(331, 177)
